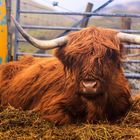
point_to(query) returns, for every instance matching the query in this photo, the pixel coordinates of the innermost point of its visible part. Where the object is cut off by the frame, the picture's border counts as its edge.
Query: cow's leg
(59, 118)
(52, 109)
(63, 110)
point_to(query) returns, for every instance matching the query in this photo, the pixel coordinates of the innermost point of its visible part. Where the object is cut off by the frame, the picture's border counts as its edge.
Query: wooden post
(88, 9)
(126, 24)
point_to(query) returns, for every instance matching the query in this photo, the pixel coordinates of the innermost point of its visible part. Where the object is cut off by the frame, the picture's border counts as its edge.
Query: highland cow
(84, 82)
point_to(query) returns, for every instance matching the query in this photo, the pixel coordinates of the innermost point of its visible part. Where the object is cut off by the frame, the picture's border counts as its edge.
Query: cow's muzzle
(90, 87)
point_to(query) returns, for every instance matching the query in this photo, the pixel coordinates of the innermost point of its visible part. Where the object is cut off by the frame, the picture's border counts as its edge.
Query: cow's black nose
(89, 84)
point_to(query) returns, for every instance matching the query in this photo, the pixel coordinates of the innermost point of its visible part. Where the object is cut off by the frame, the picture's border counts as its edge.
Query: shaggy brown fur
(53, 86)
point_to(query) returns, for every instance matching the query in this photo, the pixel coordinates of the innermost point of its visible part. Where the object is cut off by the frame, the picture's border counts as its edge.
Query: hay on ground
(24, 125)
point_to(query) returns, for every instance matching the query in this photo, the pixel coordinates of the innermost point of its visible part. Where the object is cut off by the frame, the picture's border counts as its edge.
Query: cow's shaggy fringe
(17, 124)
(52, 85)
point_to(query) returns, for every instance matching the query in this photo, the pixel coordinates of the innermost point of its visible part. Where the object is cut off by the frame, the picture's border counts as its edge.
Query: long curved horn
(41, 44)
(129, 38)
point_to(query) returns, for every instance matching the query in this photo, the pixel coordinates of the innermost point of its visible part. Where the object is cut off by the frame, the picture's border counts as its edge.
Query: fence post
(86, 18)
(126, 24)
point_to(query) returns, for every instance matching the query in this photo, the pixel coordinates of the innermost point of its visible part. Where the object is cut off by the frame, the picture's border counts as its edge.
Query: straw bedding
(18, 124)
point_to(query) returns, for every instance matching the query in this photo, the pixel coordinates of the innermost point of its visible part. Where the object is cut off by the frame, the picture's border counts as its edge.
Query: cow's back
(22, 81)
(9, 70)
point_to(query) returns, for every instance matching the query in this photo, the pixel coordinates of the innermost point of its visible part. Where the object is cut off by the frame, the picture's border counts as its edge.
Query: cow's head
(92, 55)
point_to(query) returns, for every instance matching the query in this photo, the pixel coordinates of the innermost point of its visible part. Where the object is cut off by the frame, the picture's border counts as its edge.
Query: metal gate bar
(78, 13)
(68, 28)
